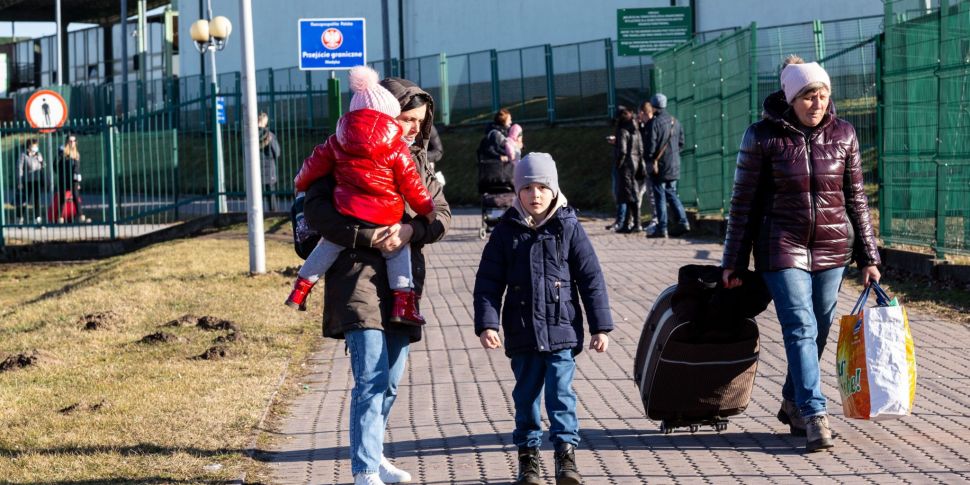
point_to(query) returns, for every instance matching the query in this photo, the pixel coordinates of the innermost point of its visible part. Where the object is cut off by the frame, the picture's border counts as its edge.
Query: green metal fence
(925, 119)
(906, 93)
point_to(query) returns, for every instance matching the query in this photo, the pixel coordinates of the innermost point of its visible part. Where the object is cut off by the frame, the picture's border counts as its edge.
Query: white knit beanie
(794, 77)
(369, 94)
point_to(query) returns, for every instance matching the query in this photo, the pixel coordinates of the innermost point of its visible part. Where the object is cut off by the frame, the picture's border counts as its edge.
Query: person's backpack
(304, 238)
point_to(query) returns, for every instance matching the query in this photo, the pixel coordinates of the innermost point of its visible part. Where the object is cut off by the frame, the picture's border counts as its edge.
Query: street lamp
(211, 36)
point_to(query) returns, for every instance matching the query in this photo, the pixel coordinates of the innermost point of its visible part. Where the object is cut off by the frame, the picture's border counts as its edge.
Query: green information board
(643, 31)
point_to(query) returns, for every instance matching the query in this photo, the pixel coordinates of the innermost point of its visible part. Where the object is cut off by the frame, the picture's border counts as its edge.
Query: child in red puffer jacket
(375, 176)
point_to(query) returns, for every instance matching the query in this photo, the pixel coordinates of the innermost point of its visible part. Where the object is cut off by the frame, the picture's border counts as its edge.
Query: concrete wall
(461, 26)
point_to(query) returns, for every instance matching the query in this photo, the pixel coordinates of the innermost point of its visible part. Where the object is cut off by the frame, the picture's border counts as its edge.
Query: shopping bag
(875, 360)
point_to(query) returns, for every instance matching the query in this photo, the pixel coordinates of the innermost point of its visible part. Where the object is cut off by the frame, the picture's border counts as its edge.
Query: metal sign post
(254, 186)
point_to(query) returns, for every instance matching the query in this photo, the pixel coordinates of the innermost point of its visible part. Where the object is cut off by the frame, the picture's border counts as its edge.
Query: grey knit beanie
(536, 167)
(659, 101)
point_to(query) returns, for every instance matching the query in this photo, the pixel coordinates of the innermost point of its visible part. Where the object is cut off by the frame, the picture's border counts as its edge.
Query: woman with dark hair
(492, 146)
(628, 163)
(358, 299)
(799, 203)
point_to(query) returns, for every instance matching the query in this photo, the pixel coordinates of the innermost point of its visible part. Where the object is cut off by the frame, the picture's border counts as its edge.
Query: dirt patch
(159, 338)
(26, 359)
(214, 323)
(290, 271)
(77, 407)
(99, 320)
(217, 352)
(183, 321)
(230, 337)
(18, 361)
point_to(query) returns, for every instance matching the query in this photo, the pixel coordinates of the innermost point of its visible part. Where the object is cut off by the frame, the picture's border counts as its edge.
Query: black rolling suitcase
(698, 352)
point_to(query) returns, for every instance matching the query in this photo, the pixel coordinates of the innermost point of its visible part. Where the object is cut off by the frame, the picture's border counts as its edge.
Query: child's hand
(490, 339)
(599, 342)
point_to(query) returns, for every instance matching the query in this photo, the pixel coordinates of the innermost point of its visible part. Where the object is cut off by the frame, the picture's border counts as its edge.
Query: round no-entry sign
(46, 111)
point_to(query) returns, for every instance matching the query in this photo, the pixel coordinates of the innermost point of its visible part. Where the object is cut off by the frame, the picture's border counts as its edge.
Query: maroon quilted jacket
(799, 203)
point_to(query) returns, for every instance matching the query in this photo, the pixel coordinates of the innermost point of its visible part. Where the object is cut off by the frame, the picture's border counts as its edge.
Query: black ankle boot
(529, 473)
(566, 473)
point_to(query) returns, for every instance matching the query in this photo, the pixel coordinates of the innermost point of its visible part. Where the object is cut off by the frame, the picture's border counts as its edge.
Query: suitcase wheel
(720, 425)
(665, 428)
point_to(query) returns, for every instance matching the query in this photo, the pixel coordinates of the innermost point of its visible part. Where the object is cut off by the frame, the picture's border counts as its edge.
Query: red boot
(406, 308)
(297, 298)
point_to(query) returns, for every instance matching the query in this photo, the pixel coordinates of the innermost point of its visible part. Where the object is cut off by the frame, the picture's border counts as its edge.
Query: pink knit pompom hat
(369, 94)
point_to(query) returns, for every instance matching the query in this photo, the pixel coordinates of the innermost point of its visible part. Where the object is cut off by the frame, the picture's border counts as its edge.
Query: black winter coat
(798, 201)
(492, 146)
(628, 157)
(542, 274)
(664, 129)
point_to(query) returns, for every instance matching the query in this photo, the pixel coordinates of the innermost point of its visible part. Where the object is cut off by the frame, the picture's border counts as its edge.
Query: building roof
(83, 11)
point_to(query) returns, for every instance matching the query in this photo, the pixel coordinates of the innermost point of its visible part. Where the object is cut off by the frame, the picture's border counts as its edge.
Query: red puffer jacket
(373, 169)
(799, 202)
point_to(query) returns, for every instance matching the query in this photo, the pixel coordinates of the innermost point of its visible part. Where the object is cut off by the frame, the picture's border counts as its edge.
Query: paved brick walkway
(453, 420)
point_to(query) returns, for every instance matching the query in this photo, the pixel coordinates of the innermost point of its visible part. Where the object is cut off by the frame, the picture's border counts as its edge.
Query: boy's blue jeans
(377, 360)
(554, 370)
(805, 303)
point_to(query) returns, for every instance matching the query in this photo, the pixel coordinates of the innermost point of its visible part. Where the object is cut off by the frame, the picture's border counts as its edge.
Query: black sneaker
(658, 234)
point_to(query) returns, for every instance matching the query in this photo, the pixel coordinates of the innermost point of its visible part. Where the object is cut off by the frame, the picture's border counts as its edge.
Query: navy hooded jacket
(542, 273)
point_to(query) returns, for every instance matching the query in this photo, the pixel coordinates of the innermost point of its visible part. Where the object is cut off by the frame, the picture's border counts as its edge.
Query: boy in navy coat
(540, 260)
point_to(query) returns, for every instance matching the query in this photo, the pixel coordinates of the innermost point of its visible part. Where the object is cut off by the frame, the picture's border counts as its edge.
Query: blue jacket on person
(542, 273)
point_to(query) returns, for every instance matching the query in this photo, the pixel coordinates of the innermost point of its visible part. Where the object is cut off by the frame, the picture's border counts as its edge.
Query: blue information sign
(332, 44)
(221, 109)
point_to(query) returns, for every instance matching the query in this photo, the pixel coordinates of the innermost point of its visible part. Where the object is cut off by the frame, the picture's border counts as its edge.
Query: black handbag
(304, 238)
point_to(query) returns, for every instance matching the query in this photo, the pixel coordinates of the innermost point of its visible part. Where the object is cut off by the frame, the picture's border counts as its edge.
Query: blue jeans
(554, 370)
(805, 303)
(664, 192)
(377, 360)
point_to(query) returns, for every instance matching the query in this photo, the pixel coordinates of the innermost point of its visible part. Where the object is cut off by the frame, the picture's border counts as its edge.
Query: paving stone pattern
(453, 420)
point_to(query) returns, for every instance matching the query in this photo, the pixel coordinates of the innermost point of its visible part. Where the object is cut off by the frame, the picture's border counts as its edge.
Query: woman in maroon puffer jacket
(799, 203)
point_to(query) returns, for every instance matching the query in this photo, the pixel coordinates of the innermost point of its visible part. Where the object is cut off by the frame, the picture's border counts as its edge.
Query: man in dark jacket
(663, 146)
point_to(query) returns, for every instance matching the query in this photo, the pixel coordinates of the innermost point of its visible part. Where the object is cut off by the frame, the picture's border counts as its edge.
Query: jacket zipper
(811, 194)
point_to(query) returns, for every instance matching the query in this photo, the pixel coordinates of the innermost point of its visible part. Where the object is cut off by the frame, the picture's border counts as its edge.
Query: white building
(462, 26)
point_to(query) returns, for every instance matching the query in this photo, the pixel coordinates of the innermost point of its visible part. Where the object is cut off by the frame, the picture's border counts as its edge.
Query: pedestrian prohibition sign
(46, 111)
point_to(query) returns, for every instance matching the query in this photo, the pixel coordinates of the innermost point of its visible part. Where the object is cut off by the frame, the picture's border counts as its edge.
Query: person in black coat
(492, 146)
(630, 171)
(435, 149)
(663, 148)
(540, 261)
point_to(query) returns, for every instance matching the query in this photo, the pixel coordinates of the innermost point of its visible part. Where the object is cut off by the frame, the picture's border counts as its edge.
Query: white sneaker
(367, 479)
(392, 474)
(39, 219)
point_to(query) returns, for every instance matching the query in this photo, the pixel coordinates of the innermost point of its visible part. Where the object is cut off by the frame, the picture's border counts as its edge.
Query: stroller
(497, 191)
